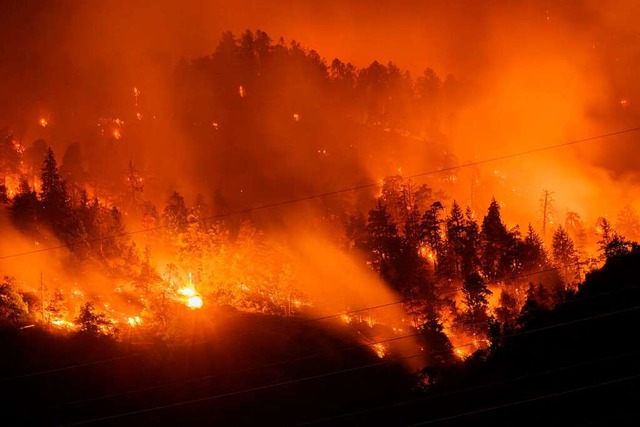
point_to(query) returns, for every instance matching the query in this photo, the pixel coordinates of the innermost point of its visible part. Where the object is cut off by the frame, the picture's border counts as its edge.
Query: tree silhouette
(432, 231)
(92, 323)
(495, 243)
(383, 241)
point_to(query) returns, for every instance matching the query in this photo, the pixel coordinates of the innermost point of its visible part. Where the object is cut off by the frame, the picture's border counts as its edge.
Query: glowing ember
(188, 292)
(139, 116)
(380, 350)
(346, 318)
(116, 134)
(241, 91)
(134, 321)
(194, 302)
(63, 323)
(296, 117)
(43, 122)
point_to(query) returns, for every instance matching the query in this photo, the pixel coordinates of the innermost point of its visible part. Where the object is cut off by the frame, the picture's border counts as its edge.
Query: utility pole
(42, 295)
(547, 200)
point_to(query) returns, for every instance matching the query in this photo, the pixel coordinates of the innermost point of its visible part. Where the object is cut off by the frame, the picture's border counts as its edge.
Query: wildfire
(61, 323)
(134, 321)
(43, 122)
(193, 300)
(380, 350)
(346, 318)
(426, 253)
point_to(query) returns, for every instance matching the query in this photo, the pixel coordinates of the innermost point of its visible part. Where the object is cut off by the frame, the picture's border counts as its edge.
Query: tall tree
(455, 227)
(565, 257)
(432, 231)
(476, 292)
(532, 254)
(470, 244)
(494, 243)
(25, 206)
(383, 241)
(53, 195)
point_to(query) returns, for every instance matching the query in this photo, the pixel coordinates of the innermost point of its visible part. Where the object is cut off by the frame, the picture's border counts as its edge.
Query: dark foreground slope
(578, 364)
(235, 370)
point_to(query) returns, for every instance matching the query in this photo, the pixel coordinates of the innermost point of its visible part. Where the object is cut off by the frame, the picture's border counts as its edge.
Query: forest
(280, 212)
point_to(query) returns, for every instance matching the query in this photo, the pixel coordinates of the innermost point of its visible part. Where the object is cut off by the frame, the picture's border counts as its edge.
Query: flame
(43, 122)
(134, 321)
(296, 117)
(194, 302)
(241, 91)
(63, 323)
(188, 292)
(380, 350)
(116, 134)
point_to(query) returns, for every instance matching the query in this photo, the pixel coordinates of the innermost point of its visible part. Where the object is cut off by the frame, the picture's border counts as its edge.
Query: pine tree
(565, 256)
(383, 241)
(53, 195)
(495, 243)
(563, 251)
(476, 292)
(532, 254)
(470, 244)
(413, 230)
(93, 323)
(455, 227)
(432, 231)
(25, 206)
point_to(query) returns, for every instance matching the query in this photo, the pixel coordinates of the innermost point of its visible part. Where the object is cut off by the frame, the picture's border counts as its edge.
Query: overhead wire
(294, 381)
(327, 193)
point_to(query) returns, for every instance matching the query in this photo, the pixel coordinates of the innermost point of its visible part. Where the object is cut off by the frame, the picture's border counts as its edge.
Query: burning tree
(93, 323)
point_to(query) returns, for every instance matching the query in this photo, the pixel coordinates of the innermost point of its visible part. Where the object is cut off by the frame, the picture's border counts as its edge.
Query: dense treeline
(459, 275)
(447, 264)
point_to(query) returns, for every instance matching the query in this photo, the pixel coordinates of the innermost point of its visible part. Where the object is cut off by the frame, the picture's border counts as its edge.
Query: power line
(238, 371)
(326, 317)
(348, 312)
(333, 373)
(472, 388)
(532, 399)
(244, 391)
(328, 193)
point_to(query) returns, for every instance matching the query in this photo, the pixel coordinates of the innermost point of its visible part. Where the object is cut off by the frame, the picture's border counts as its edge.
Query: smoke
(532, 73)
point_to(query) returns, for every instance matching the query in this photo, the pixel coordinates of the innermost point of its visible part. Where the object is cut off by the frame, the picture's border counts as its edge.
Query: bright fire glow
(194, 302)
(380, 350)
(134, 321)
(188, 292)
(43, 122)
